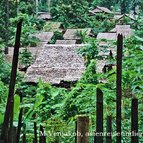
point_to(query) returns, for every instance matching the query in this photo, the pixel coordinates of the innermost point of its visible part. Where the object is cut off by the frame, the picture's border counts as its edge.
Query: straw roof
(44, 16)
(118, 17)
(57, 63)
(72, 34)
(99, 9)
(125, 30)
(43, 36)
(107, 36)
(66, 42)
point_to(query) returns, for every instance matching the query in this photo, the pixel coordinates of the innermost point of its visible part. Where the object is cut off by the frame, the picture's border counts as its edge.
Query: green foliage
(89, 52)
(28, 28)
(26, 58)
(4, 70)
(57, 36)
(16, 106)
(27, 7)
(3, 95)
(71, 12)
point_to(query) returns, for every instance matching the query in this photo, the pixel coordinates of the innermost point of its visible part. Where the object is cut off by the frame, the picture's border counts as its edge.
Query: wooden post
(82, 129)
(24, 138)
(35, 133)
(19, 126)
(109, 130)
(10, 100)
(99, 117)
(76, 131)
(119, 87)
(14, 135)
(37, 4)
(134, 121)
(42, 136)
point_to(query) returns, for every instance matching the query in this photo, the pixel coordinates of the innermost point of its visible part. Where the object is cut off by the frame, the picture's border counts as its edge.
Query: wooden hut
(124, 19)
(125, 30)
(44, 16)
(99, 9)
(55, 64)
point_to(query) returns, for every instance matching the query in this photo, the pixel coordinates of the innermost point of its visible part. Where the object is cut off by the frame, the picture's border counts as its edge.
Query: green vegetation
(56, 108)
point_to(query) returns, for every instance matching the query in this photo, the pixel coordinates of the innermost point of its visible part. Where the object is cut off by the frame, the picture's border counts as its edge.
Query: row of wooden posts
(82, 124)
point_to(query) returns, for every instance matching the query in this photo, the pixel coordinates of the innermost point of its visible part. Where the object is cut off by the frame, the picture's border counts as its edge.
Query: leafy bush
(57, 36)
(26, 58)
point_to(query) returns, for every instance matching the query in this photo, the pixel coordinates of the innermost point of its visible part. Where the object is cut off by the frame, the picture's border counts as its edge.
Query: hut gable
(44, 16)
(43, 36)
(66, 42)
(121, 19)
(99, 9)
(57, 63)
(72, 34)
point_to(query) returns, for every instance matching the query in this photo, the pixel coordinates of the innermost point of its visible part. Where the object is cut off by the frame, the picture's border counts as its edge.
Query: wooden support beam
(35, 133)
(109, 130)
(82, 129)
(99, 117)
(8, 117)
(119, 88)
(134, 121)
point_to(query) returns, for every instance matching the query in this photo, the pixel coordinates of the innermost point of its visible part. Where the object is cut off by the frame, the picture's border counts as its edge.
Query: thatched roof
(44, 16)
(57, 63)
(66, 42)
(99, 9)
(119, 17)
(72, 34)
(107, 36)
(125, 30)
(43, 36)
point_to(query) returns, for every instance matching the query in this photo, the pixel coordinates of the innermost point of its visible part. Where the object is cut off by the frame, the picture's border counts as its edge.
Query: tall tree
(125, 6)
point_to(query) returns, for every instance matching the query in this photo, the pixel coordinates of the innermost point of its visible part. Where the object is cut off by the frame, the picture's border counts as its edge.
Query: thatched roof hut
(44, 15)
(99, 9)
(107, 36)
(66, 42)
(43, 36)
(125, 30)
(57, 63)
(72, 34)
